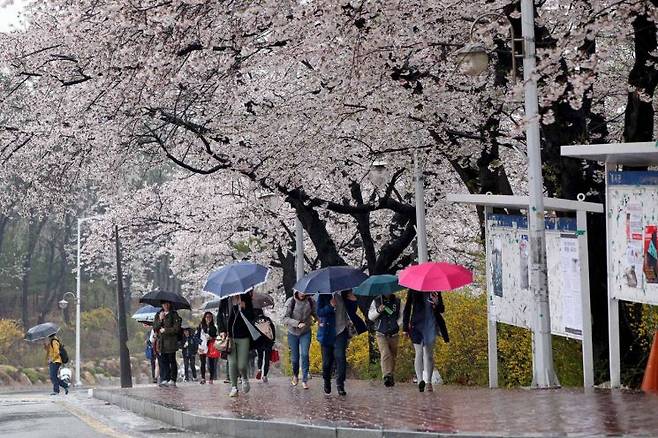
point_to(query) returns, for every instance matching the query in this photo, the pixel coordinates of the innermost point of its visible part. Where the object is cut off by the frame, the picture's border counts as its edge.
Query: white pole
(492, 329)
(421, 232)
(78, 382)
(544, 374)
(583, 255)
(299, 248)
(613, 305)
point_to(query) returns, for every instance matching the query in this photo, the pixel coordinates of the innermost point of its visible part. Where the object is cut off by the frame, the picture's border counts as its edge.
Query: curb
(242, 428)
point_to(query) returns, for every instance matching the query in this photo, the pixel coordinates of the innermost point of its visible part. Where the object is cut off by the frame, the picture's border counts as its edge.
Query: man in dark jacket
(167, 326)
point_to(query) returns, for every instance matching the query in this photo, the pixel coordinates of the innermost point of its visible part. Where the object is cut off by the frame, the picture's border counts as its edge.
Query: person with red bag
(208, 355)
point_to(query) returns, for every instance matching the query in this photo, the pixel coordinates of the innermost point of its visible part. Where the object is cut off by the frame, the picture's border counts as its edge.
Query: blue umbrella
(235, 279)
(146, 313)
(330, 280)
(379, 285)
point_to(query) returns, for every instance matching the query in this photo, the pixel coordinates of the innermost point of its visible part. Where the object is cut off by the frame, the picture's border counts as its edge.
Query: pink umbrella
(435, 276)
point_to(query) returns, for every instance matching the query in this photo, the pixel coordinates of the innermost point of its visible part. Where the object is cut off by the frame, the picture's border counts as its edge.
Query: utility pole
(421, 232)
(124, 354)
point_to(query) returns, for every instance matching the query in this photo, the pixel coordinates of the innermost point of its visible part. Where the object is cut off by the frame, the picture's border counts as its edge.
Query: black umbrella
(156, 298)
(41, 331)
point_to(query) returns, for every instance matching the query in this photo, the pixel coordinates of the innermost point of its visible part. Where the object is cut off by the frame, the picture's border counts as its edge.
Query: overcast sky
(9, 14)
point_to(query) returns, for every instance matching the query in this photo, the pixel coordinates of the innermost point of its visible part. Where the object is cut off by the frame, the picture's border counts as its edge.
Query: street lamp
(273, 202)
(544, 373)
(379, 175)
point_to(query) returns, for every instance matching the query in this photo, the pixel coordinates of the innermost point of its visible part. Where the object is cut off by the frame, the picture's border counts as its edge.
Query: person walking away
(422, 321)
(168, 326)
(300, 312)
(207, 333)
(387, 317)
(190, 348)
(337, 313)
(239, 328)
(264, 343)
(54, 359)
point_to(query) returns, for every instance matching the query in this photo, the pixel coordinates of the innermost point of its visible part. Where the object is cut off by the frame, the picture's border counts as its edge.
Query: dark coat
(414, 317)
(327, 316)
(229, 319)
(168, 341)
(192, 345)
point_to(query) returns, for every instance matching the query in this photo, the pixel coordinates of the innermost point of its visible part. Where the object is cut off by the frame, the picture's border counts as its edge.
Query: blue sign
(633, 178)
(519, 221)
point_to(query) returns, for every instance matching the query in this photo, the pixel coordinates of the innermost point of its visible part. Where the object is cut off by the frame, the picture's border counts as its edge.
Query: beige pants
(388, 349)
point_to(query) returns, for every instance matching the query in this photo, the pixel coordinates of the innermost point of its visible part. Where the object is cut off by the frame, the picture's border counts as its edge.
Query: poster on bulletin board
(633, 227)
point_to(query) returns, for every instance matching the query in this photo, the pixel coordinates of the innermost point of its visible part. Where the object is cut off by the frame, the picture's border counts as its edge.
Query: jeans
(337, 354)
(168, 367)
(53, 370)
(190, 364)
(264, 359)
(300, 346)
(388, 348)
(238, 360)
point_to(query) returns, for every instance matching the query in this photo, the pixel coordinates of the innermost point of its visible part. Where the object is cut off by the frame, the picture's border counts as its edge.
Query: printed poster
(524, 280)
(634, 258)
(651, 253)
(497, 266)
(572, 317)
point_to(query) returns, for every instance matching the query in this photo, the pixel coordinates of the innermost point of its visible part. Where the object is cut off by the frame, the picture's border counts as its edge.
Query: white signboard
(632, 211)
(511, 301)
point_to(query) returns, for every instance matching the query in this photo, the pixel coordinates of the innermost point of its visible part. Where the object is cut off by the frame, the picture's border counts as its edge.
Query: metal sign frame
(637, 154)
(581, 208)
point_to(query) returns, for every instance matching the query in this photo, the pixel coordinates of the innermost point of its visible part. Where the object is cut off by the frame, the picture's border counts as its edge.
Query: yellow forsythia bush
(11, 334)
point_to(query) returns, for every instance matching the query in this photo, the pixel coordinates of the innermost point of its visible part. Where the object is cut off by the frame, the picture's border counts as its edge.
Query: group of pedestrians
(240, 329)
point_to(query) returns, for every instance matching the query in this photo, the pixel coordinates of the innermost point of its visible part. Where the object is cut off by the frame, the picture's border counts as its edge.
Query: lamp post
(378, 175)
(544, 373)
(273, 203)
(78, 382)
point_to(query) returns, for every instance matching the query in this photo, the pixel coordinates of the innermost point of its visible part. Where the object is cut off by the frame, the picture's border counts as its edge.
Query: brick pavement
(449, 409)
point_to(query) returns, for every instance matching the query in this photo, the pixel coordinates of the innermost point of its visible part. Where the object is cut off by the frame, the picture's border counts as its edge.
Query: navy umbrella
(41, 331)
(156, 298)
(330, 280)
(235, 279)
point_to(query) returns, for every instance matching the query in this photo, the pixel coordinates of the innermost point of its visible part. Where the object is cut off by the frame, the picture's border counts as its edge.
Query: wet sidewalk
(448, 410)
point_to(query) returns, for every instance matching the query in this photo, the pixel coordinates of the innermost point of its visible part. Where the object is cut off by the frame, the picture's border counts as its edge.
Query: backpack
(63, 354)
(264, 325)
(294, 301)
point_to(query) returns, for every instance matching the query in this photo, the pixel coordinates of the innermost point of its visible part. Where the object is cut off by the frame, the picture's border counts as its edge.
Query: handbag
(274, 356)
(148, 351)
(213, 353)
(223, 346)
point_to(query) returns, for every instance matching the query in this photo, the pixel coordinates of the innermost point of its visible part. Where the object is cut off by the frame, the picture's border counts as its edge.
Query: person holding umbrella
(238, 327)
(386, 314)
(422, 320)
(337, 314)
(300, 312)
(54, 359)
(167, 326)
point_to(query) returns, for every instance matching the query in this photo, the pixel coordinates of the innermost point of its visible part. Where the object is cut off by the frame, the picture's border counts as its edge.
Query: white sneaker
(245, 386)
(234, 392)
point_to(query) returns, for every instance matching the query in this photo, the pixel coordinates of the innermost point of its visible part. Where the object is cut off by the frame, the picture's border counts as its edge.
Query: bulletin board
(632, 210)
(510, 298)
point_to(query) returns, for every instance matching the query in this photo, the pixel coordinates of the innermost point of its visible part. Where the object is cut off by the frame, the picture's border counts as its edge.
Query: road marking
(98, 426)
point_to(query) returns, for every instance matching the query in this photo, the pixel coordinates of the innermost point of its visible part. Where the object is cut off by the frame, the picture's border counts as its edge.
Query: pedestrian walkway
(449, 409)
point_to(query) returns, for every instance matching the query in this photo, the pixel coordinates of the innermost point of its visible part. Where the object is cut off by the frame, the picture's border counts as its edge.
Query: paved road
(30, 415)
